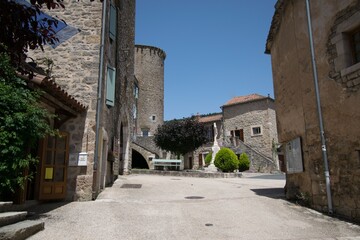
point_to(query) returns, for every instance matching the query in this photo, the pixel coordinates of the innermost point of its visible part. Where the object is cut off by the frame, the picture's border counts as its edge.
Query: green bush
(226, 160)
(244, 162)
(208, 159)
(22, 123)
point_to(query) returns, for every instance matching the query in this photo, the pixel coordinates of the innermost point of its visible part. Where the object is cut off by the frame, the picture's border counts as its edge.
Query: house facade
(252, 120)
(246, 124)
(335, 30)
(95, 67)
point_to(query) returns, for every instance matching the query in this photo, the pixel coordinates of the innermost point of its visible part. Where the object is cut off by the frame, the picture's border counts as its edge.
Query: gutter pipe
(322, 133)
(99, 95)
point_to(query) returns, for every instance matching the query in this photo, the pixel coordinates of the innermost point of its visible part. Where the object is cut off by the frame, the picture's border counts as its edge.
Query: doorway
(53, 167)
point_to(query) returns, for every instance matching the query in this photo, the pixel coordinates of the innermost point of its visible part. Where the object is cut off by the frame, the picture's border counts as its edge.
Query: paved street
(165, 207)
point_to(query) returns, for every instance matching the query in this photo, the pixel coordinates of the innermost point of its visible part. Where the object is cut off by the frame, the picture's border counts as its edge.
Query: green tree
(22, 123)
(23, 29)
(181, 136)
(226, 160)
(208, 158)
(244, 162)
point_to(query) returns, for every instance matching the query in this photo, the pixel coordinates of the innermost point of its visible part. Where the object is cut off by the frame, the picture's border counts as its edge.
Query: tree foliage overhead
(21, 28)
(181, 136)
(22, 123)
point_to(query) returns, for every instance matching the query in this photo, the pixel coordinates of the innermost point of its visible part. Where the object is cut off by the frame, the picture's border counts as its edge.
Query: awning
(62, 31)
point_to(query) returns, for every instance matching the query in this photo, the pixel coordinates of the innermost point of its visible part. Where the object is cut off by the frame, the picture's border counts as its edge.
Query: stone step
(7, 218)
(21, 230)
(5, 206)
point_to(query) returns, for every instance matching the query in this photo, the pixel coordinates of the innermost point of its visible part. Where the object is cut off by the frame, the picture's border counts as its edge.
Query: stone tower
(149, 72)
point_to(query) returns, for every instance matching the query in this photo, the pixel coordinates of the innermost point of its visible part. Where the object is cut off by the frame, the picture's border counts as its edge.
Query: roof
(212, 118)
(49, 86)
(275, 24)
(244, 99)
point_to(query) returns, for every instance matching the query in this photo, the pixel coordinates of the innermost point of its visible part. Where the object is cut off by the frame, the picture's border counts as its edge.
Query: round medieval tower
(149, 72)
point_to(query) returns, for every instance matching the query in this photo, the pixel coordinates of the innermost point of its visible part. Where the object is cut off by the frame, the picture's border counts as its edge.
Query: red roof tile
(244, 99)
(212, 118)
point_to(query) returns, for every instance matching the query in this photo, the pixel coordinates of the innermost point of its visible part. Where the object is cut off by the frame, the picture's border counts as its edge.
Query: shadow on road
(41, 210)
(270, 192)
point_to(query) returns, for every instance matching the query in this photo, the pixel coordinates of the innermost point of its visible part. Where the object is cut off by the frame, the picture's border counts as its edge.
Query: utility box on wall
(293, 156)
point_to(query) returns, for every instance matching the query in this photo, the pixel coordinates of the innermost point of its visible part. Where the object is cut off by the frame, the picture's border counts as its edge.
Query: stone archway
(144, 153)
(138, 160)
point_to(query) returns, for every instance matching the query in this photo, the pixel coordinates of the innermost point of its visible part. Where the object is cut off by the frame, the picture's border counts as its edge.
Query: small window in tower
(153, 118)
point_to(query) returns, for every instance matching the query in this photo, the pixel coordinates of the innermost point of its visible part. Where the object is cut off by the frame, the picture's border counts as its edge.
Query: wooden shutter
(110, 86)
(112, 28)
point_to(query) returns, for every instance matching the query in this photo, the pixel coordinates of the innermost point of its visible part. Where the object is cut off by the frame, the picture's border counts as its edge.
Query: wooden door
(54, 161)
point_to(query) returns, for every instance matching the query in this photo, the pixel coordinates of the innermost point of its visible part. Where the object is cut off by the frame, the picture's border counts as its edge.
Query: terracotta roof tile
(48, 85)
(51, 87)
(243, 99)
(212, 118)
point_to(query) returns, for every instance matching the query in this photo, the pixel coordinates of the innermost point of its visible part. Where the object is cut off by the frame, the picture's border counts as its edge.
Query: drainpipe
(99, 95)
(322, 133)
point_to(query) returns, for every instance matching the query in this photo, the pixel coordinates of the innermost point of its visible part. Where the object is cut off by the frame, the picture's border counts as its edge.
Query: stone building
(246, 124)
(149, 113)
(335, 30)
(96, 67)
(149, 72)
(196, 159)
(252, 120)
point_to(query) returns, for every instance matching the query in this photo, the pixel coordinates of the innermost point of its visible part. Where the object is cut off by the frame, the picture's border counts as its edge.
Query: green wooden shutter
(112, 28)
(110, 86)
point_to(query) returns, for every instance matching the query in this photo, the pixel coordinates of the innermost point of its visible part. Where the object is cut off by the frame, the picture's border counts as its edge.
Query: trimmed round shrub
(226, 160)
(244, 162)
(208, 159)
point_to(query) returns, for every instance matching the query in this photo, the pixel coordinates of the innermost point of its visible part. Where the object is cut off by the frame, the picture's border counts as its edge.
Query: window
(112, 28)
(238, 134)
(344, 48)
(256, 131)
(136, 96)
(136, 91)
(145, 132)
(355, 42)
(110, 86)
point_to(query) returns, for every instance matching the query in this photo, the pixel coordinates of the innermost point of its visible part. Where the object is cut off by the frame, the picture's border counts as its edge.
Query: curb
(199, 174)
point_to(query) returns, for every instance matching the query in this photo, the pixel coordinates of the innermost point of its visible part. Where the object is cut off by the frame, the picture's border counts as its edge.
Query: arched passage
(138, 161)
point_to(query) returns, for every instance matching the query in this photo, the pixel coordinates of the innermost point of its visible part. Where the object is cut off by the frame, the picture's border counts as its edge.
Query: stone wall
(76, 69)
(125, 82)
(247, 115)
(296, 103)
(149, 71)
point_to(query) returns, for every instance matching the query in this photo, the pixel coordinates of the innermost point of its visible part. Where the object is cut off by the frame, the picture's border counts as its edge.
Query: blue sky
(215, 50)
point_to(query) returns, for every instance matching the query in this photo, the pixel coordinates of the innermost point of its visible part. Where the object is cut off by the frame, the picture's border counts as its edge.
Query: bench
(167, 163)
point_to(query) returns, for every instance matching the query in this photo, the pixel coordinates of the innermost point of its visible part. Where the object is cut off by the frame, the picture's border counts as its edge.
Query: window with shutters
(110, 86)
(112, 28)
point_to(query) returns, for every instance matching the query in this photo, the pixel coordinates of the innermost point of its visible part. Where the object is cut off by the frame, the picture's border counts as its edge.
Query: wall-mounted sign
(78, 159)
(82, 159)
